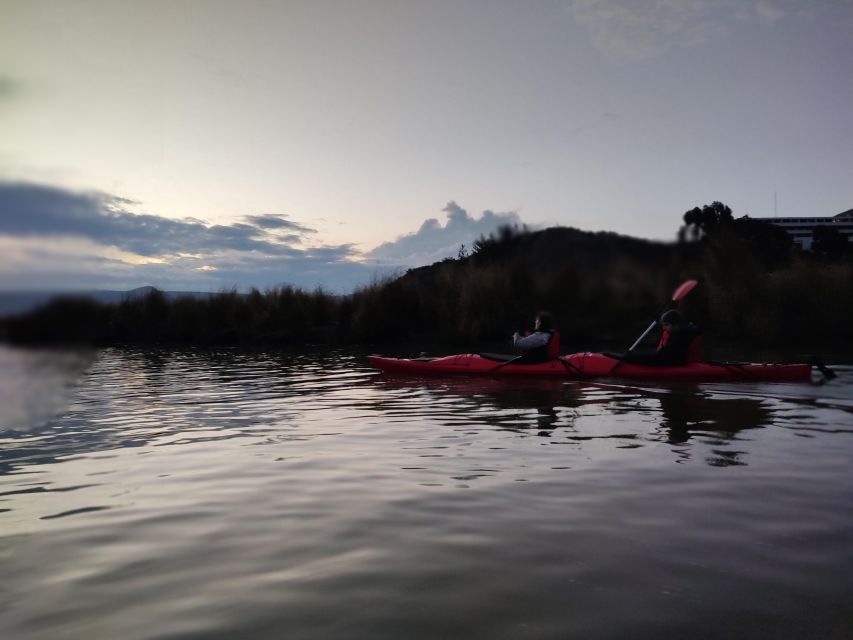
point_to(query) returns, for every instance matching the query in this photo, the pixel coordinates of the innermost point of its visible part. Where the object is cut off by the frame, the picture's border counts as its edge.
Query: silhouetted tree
(498, 244)
(770, 243)
(829, 242)
(714, 222)
(700, 222)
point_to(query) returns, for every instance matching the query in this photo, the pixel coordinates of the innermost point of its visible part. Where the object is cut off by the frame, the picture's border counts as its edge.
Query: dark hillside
(597, 284)
(557, 246)
(756, 287)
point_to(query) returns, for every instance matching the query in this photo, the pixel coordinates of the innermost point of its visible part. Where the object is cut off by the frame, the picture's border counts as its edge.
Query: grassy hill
(597, 284)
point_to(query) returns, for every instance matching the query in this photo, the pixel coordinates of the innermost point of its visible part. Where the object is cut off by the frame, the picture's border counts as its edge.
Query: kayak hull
(594, 365)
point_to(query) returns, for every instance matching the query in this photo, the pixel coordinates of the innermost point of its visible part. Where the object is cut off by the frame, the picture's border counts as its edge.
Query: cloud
(647, 28)
(64, 239)
(52, 266)
(770, 11)
(9, 87)
(433, 242)
(275, 221)
(37, 210)
(60, 239)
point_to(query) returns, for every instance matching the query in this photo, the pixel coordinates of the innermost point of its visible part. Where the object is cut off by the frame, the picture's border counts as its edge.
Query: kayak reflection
(541, 404)
(685, 413)
(718, 420)
(584, 411)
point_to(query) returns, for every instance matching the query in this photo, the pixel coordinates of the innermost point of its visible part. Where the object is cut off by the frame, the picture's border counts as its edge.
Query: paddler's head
(671, 318)
(544, 321)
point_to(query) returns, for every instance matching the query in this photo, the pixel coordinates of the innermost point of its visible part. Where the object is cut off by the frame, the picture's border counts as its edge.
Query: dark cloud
(274, 221)
(38, 210)
(433, 242)
(188, 253)
(260, 251)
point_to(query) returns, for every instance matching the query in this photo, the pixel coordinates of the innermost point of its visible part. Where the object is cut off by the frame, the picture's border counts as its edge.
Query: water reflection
(686, 414)
(517, 405)
(75, 405)
(59, 405)
(548, 407)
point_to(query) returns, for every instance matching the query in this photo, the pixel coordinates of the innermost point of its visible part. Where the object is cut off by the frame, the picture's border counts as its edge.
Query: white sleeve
(538, 339)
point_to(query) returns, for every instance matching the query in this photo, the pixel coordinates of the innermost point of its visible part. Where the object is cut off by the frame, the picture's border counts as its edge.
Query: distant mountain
(18, 302)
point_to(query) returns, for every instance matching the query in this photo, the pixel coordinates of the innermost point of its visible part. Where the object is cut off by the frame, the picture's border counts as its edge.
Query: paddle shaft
(503, 364)
(643, 337)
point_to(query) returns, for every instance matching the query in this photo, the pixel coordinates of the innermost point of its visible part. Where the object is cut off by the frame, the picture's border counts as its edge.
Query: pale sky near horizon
(352, 124)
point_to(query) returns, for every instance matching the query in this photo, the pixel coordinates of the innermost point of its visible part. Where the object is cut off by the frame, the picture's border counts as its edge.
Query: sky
(204, 144)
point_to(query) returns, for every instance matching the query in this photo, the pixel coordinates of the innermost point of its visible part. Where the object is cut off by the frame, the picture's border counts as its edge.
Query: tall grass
(284, 315)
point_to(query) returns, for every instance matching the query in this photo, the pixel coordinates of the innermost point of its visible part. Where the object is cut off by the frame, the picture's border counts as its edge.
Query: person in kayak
(541, 345)
(680, 343)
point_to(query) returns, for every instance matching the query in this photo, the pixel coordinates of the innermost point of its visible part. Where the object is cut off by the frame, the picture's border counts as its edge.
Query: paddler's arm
(538, 339)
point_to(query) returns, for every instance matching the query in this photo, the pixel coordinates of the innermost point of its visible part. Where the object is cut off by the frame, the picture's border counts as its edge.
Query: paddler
(680, 343)
(541, 345)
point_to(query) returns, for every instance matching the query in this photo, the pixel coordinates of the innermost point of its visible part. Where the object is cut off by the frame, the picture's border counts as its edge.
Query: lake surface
(200, 494)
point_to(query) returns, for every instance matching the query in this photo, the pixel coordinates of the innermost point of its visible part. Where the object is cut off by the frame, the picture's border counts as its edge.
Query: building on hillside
(801, 228)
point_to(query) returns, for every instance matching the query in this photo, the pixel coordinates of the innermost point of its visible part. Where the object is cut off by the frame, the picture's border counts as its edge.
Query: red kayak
(593, 365)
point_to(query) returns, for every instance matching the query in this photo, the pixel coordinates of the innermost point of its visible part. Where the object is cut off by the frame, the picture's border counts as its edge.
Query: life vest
(548, 351)
(689, 352)
(553, 345)
(695, 351)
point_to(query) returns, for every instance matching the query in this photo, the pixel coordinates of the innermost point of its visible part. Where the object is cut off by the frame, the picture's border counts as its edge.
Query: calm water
(264, 495)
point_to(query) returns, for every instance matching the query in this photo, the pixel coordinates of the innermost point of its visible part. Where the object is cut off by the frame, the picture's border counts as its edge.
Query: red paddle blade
(685, 288)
